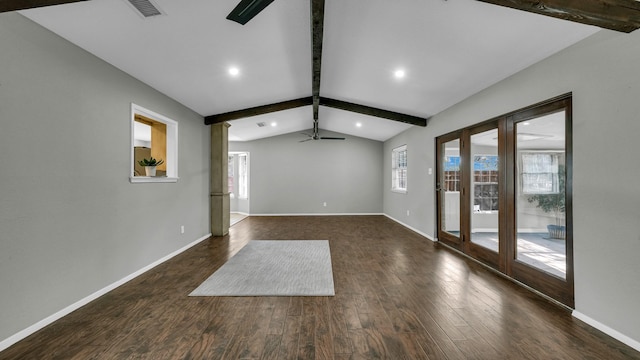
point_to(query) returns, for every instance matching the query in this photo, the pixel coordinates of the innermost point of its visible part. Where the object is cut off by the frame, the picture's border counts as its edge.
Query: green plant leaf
(150, 162)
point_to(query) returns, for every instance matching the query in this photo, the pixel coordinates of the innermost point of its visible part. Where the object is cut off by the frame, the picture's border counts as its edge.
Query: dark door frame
(505, 260)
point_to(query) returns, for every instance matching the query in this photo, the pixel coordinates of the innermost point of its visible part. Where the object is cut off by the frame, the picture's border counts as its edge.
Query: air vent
(145, 7)
(261, 124)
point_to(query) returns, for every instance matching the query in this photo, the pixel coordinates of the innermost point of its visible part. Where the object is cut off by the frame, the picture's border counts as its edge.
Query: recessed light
(358, 124)
(234, 71)
(399, 73)
(274, 124)
(525, 123)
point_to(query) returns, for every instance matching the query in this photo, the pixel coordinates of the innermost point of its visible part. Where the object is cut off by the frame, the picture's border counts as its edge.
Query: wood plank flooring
(398, 296)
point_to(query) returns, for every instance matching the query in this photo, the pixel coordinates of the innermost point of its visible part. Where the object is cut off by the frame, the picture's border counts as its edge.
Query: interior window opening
(154, 147)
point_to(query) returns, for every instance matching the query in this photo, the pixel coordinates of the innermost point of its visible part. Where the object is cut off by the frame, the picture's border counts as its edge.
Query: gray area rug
(274, 268)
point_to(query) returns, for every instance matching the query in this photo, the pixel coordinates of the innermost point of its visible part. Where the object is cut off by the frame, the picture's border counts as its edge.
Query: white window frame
(172, 147)
(397, 169)
(231, 173)
(243, 176)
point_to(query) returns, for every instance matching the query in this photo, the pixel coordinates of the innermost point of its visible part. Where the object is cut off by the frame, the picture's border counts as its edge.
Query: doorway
(504, 195)
(238, 174)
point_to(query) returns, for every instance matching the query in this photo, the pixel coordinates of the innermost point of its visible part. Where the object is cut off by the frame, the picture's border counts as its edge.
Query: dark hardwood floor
(398, 296)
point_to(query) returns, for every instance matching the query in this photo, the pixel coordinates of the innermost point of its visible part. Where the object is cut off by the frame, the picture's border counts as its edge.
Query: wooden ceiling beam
(317, 27)
(372, 111)
(15, 5)
(306, 101)
(258, 110)
(618, 15)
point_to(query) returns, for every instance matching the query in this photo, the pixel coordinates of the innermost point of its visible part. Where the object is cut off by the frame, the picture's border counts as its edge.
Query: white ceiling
(449, 50)
(540, 133)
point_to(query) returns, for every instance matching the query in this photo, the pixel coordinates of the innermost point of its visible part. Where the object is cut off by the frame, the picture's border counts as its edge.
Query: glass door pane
(540, 193)
(484, 189)
(450, 188)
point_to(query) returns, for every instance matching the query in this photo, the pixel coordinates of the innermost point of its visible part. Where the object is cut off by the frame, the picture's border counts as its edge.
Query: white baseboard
(4, 344)
(240, 212)
(607, 330)
(411, 228)
(320, 214)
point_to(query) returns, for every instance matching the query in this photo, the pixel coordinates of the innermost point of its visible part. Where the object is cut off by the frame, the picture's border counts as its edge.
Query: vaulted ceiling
(448, 51)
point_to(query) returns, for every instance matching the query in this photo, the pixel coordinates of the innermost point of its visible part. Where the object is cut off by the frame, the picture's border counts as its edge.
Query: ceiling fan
(316, 134)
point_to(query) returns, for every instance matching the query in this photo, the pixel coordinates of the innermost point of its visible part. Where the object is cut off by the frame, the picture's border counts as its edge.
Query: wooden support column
(220, 217)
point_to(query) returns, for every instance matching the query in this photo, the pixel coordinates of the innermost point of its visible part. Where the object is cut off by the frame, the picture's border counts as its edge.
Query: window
(485, 183)
(243, 176)
(451, 179)
(399, 169)
(485, 180)
(239, 175)
(540, 173)
(153, 135)
(230, 175)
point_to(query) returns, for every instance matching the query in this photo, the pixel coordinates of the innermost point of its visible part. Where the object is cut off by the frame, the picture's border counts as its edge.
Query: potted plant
(554, 203)
(150, 165)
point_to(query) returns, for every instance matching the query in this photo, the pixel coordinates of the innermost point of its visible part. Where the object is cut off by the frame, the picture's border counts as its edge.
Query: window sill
(152, 179)
(399, 191)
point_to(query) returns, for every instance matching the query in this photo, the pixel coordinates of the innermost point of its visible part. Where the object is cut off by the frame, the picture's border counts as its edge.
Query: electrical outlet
(408, 212)
(324, 204)
(181, 229)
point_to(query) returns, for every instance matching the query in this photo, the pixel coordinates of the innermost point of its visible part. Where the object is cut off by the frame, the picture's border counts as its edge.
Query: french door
(504, 195)
(449, 189)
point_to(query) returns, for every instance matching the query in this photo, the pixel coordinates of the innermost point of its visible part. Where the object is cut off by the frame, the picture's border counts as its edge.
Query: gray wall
(602, 72)
(290, 177)
(70, 221)
(418, 200)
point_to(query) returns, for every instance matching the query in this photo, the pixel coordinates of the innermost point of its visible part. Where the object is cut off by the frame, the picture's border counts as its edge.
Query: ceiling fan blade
(247, 9)
(305, 140)
(14, 5)
(331, 138)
